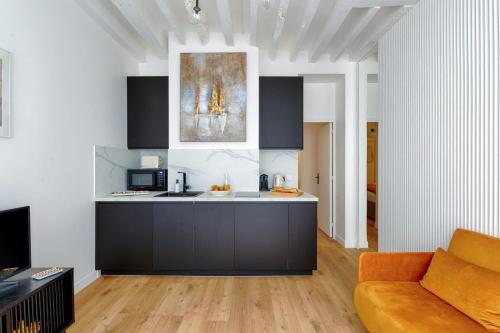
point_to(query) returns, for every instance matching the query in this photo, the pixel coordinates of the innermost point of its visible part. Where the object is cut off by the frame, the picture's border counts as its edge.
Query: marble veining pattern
(280, 161)
(111, 164)
(205, 167)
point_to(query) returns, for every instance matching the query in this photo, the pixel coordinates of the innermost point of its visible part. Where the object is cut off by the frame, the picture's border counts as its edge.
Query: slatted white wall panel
(439, 124)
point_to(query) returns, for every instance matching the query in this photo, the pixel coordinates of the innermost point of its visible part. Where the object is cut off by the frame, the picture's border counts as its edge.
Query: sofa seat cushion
(397, 307)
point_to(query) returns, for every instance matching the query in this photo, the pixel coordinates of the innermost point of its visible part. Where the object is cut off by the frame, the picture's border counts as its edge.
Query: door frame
(364, 70)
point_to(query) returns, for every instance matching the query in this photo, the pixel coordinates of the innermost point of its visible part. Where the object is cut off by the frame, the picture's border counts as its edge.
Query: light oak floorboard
(319, 303)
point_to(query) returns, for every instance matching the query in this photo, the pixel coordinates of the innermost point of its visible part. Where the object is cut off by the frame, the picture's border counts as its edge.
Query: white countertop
(205, 197)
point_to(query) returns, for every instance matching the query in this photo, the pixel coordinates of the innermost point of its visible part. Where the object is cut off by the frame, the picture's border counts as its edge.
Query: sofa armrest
(407, 266)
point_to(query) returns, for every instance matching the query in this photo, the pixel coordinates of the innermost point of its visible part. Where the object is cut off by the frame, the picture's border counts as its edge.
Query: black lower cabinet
(173, 236)
(214, 236)
(302, 238)
(124, 236)
(205, 238)
(261, 232)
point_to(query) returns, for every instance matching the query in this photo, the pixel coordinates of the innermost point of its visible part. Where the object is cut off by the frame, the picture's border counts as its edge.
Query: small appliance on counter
(264, 182)
(147, 179)
(279, 180)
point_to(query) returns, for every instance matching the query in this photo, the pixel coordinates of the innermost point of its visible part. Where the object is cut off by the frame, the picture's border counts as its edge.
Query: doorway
(371, 182)
(316, 171)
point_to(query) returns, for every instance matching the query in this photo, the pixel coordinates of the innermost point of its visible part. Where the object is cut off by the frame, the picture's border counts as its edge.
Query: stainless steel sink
(180, 194)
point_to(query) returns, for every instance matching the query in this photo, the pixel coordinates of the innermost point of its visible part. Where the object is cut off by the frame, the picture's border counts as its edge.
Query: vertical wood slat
(439, 81)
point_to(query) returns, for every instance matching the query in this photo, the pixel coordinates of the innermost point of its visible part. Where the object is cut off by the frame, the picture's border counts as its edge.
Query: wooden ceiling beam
(252, 21)
(309, 14)
(104, 15)
(278, 30)
(168, 14)
(383, 3)
(225, 20)
(369, 41)
(353, 33)
(138, 19)
(337, 17)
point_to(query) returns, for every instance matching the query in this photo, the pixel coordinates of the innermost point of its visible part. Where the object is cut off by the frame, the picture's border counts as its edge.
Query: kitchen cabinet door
(124, 236)
(261, 232)
(213, 236)
(173, 236)
(147, 112)
(281, 112)
(302, 250)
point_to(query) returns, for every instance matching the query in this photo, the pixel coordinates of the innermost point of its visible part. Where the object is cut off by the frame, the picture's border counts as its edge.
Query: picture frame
(213, 97)
(5, 93)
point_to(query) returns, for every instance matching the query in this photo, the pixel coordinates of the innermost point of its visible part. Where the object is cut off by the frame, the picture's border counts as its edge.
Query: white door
(325, 168)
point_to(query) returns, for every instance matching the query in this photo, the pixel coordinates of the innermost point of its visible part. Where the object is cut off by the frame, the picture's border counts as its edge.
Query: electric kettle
(279, 180)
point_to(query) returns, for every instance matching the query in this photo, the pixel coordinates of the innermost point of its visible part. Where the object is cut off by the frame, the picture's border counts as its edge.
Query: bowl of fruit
(220, 190)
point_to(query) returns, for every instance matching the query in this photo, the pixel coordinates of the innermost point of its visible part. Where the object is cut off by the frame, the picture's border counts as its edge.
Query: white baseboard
(363, 245)
(86, 280)
(340, 239)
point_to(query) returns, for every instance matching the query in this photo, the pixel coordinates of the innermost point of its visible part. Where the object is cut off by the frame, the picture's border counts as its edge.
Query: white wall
(372, 112)
(216, 44)
(439, 129)
(68, 93)
(319, 100)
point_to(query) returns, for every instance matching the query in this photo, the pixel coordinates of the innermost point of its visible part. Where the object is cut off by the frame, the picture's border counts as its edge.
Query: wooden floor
(321, 303)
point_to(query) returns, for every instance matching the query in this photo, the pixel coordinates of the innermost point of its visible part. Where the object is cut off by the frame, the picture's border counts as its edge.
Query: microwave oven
(147, 179)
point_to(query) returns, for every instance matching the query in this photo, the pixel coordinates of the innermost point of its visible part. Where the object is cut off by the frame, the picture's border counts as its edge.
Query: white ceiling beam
(225, 20)
(370, 40)
(168, 14)
(278, 30)
(353, 33)
(200, 26)
(383, 3)
(337, 17)
(105, 16)
(252, 21)
(137, 17)
(312, 8)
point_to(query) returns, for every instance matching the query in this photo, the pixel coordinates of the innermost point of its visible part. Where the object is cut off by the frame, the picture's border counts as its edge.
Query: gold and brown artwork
(213, 93)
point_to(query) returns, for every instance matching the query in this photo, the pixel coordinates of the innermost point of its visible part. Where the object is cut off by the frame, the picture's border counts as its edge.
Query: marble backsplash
(280, 161)
(111, 164)
(205, 167)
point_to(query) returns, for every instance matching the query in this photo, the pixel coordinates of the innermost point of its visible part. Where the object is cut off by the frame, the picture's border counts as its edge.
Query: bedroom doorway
(371, 181)
(316, 171)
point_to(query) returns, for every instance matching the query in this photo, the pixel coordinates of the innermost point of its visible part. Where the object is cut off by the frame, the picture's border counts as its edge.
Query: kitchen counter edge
(206, 197)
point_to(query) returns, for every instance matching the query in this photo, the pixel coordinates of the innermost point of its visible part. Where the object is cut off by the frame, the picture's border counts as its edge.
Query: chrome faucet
(185, 187)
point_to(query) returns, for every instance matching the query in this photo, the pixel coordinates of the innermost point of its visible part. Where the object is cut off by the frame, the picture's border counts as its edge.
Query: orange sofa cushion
(402, 266)
(476, 248)
(403, 307)
(471, 289)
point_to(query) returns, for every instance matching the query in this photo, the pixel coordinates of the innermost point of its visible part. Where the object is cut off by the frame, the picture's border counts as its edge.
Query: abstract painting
(213, 97)
(4, 93)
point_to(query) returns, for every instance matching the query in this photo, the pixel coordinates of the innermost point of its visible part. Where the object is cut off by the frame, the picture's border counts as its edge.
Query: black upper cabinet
(147, 112)
(281, 119)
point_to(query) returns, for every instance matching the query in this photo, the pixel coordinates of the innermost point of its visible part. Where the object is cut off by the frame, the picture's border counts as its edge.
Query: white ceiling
(342, 29)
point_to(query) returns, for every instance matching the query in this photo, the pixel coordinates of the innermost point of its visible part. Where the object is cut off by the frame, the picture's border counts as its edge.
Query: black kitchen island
(199, 237)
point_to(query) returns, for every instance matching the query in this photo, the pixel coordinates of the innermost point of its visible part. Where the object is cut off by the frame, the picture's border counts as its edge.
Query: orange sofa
(392, 294)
